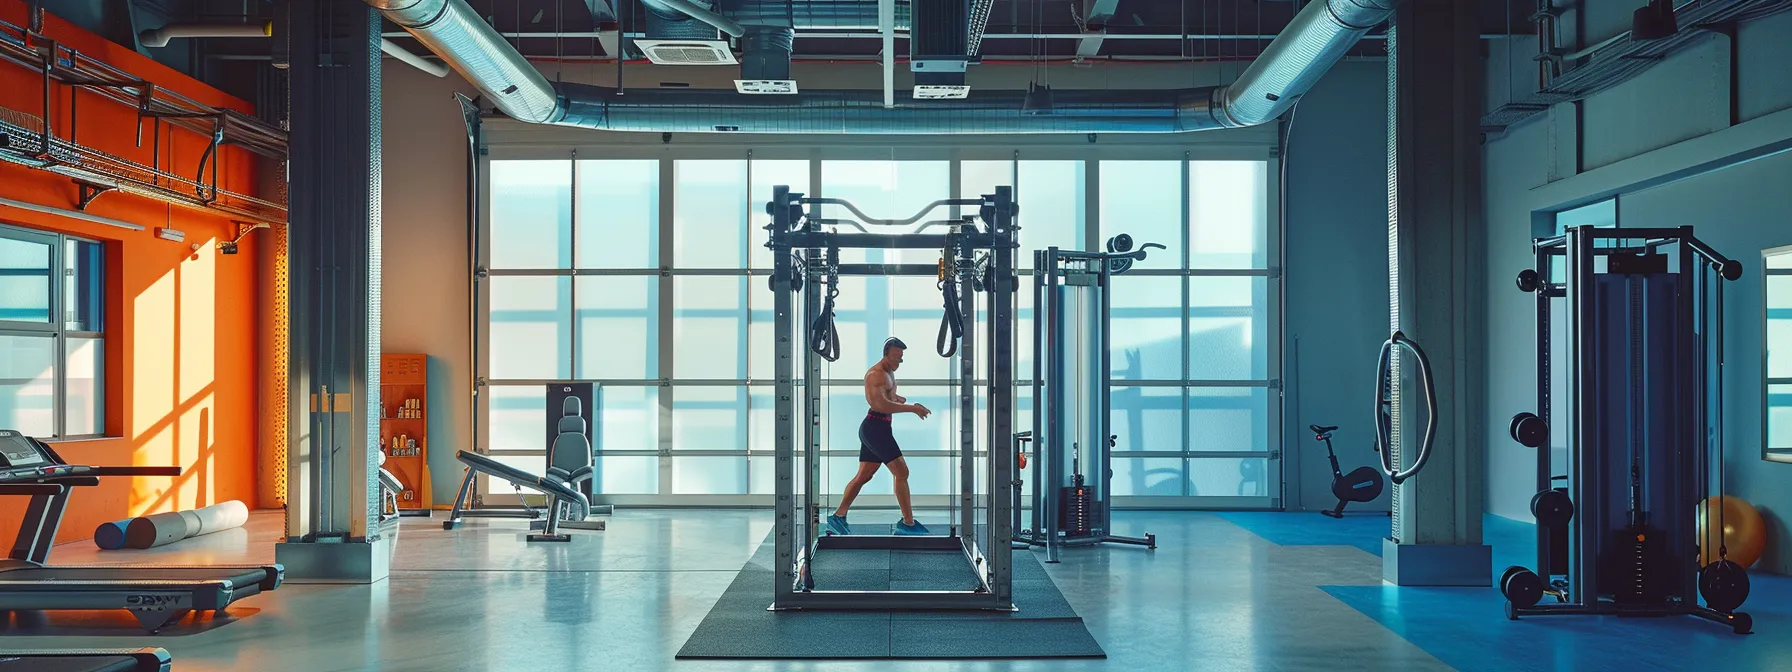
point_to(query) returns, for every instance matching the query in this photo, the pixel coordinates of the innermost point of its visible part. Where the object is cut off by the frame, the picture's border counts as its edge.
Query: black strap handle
(951, 321)
(1383, 424)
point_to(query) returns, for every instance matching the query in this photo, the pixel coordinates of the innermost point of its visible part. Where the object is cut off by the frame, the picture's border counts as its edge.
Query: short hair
(894, 342)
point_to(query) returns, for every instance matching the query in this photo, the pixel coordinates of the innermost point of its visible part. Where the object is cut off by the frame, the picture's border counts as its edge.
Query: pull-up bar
(873, 221)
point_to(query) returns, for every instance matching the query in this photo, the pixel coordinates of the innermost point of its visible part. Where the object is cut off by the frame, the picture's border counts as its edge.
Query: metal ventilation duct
(1317, 38)
(814, 14)
(683, 18)
(994, 112)
(453, 31)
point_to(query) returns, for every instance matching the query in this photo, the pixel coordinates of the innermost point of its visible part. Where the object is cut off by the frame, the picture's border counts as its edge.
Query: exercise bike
(1362, 484)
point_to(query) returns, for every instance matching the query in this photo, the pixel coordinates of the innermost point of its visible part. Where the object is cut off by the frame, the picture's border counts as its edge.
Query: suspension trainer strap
(951, 322)
(824, 338)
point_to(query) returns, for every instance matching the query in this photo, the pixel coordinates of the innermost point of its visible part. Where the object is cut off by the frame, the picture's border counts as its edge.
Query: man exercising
(877, 446)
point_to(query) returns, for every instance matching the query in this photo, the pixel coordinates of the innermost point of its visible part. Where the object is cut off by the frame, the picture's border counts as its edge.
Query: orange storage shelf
(404, 399)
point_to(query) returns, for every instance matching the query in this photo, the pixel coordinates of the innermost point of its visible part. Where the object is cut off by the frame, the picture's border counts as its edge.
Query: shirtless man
(877, 446)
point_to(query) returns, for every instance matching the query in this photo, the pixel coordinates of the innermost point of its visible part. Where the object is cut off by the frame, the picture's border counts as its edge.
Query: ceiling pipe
(159, 37)
(405, 56)
(1319, 36)
(452, 30)
(687, 8)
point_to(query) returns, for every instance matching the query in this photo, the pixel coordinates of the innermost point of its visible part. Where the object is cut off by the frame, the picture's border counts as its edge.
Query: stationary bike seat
(1322, 430)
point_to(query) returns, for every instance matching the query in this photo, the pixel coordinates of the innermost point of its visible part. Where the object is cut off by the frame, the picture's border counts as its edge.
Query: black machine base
(1025, 538)
(1740, 622)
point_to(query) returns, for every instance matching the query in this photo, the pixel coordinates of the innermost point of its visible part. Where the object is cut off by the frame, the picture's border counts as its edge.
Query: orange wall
(180, 324)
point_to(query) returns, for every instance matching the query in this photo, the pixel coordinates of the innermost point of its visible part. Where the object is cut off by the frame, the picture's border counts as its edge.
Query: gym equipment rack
(1618, 537)
(977, 257)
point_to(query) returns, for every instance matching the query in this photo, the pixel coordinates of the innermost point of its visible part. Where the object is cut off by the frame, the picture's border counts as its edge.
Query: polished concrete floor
(1214, 596)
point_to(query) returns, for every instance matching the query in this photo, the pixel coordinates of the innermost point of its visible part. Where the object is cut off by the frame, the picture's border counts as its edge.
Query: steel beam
(334, 276)
(1434, 237)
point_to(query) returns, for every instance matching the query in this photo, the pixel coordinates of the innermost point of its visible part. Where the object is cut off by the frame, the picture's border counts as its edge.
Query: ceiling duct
(1318, 36)
(829, 15)
(452, 30)
(765, 61)
(939, 48)
(691, 11)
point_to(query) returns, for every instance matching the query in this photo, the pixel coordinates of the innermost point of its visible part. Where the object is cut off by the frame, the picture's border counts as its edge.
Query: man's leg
(899, 470)
(866, 471)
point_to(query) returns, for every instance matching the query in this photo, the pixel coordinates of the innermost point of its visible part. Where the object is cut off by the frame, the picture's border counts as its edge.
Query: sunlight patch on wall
(156, 448)
(198, 321)
(152, 357)
(198, 437)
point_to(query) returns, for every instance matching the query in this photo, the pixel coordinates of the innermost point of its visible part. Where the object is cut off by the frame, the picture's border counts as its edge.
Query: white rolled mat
(166, 528)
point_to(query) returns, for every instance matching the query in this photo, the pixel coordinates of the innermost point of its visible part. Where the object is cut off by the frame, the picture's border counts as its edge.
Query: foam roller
(166, 528)
(110, 536)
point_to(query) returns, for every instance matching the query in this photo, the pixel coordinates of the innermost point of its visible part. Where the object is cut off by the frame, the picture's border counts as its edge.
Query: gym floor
(1224, 591)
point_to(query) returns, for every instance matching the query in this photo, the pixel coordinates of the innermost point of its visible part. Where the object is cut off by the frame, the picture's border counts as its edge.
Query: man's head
(893, 348)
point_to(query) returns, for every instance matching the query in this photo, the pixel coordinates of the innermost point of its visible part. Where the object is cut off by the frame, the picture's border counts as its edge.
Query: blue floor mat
(1467, 628)
(1364, 531)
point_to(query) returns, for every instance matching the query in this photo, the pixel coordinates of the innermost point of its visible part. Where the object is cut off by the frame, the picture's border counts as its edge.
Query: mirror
(1777, 352)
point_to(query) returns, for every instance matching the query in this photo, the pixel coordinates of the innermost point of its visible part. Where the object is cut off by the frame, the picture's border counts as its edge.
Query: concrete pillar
(333, 248)
(1435, 236)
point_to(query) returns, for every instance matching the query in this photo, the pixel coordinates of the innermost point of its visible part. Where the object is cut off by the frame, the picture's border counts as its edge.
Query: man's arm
(878, 394)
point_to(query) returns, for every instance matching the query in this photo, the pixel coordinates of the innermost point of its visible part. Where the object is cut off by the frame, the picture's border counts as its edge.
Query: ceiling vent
(942, 91)
(686, 52)
(763, 87)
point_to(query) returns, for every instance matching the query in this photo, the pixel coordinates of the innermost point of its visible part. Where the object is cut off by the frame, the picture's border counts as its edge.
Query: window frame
(1770, 452)
(56, 329)
(529, 145)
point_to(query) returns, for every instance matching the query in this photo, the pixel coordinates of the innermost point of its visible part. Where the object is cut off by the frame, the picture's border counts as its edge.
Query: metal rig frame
(982, 534)
(1589, 476)
(1054, 270)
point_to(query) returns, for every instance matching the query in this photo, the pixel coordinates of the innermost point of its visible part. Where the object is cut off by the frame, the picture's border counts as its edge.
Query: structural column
(333, 247)
(1434, 238)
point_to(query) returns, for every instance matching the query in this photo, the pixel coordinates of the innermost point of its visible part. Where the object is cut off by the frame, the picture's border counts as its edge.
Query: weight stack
(1636, 570)
(1076, 511)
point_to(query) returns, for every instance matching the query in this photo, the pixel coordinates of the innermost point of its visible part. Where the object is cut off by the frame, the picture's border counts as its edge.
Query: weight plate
(1531, 431)
(1528, 281)
(1552, 508)
(1522, 587)
(1724, 585)
(1512, 429)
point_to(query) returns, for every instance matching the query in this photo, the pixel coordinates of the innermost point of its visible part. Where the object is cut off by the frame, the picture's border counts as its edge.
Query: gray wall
(424, 280)
(1337, 282)
(1677, 114)
(1336, 237)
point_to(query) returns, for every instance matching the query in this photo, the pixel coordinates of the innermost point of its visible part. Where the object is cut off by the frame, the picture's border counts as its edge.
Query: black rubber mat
(740, 627)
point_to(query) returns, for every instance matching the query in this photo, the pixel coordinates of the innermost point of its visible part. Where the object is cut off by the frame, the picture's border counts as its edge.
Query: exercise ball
(1744, 534)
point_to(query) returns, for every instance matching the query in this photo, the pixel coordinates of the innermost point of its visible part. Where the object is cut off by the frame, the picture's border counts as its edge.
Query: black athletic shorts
(876, 443)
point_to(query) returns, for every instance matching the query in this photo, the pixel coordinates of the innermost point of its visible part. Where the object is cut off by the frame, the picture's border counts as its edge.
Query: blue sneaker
(915, 529)
(837, 525)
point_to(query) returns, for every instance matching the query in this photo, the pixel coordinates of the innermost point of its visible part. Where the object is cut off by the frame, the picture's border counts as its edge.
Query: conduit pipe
(159, 37)
(404, 55)
(1318, 37)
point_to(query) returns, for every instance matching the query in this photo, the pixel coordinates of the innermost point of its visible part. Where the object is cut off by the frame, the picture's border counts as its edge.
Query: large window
(647, 277)
(52, 352)
(1777, 348)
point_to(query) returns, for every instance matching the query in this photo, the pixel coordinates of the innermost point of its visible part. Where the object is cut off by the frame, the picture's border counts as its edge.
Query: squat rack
(977, 257)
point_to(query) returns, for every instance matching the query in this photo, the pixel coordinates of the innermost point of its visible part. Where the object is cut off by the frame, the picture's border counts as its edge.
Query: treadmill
(156, 595)
(94, 660)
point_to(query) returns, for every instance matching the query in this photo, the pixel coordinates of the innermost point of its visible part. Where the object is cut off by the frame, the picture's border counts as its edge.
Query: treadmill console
(17, 450)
